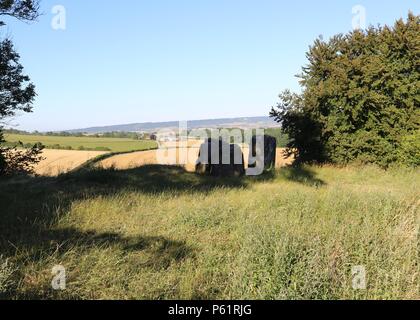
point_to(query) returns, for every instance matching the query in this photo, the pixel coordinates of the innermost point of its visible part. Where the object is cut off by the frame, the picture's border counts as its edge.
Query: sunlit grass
(161, 233)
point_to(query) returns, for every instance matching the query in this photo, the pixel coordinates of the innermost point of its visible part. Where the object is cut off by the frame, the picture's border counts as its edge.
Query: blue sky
(162, 60)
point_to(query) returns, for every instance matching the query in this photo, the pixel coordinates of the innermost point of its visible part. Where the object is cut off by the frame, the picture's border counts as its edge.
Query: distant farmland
(83, 143)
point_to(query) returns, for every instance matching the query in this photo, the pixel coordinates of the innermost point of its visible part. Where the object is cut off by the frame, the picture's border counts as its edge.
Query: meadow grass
(84, 143)
(160, 233)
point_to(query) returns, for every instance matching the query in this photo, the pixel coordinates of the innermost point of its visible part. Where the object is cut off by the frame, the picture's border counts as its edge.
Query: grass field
(158, 232)
(85, 143)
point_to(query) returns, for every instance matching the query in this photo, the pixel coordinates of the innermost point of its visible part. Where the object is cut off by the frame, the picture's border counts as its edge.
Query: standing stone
(237, 162)
(269, 152)
(232, 164)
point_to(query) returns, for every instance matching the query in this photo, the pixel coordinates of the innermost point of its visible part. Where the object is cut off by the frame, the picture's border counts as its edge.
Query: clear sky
(135, 60)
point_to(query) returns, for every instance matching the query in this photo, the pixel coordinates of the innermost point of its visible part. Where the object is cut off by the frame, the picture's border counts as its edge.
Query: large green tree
(17, 93)
(360, 100)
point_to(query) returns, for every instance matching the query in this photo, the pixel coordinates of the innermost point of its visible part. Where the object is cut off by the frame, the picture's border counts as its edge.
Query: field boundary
(90, 163)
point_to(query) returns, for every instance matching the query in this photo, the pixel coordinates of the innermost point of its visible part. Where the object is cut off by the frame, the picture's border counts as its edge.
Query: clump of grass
(6, 275)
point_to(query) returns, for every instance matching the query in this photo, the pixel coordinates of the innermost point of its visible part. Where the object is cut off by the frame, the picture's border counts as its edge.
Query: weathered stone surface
(219, 159)
(269, 152)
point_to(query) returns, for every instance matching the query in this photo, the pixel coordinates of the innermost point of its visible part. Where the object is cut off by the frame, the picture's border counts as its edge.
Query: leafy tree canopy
(25, 10)
(17, 93)
(360, 100)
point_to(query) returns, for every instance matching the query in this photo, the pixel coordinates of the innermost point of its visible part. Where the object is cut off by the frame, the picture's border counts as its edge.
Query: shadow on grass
(151, 179)
(25, 200)
(160, 253)
(301, 174)
(31, 206)
(163, 250)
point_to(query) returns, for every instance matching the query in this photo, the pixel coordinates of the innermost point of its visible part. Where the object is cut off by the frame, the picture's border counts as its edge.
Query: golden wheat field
(57, 162)
(172, 156)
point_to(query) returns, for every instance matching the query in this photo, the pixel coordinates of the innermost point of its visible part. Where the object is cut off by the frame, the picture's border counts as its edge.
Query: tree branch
(23, 10)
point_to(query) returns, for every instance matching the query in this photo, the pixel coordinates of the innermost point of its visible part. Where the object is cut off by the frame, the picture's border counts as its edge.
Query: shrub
(14, 161)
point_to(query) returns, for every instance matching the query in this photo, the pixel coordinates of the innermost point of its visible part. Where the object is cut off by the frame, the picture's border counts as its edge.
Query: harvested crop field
(171, 156)
(61, 161)
(138, 159)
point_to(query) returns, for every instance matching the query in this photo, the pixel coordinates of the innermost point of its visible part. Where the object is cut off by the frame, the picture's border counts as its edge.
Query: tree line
(113, 134)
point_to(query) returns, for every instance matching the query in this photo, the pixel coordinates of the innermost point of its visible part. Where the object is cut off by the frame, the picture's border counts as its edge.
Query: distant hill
(243, 123)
